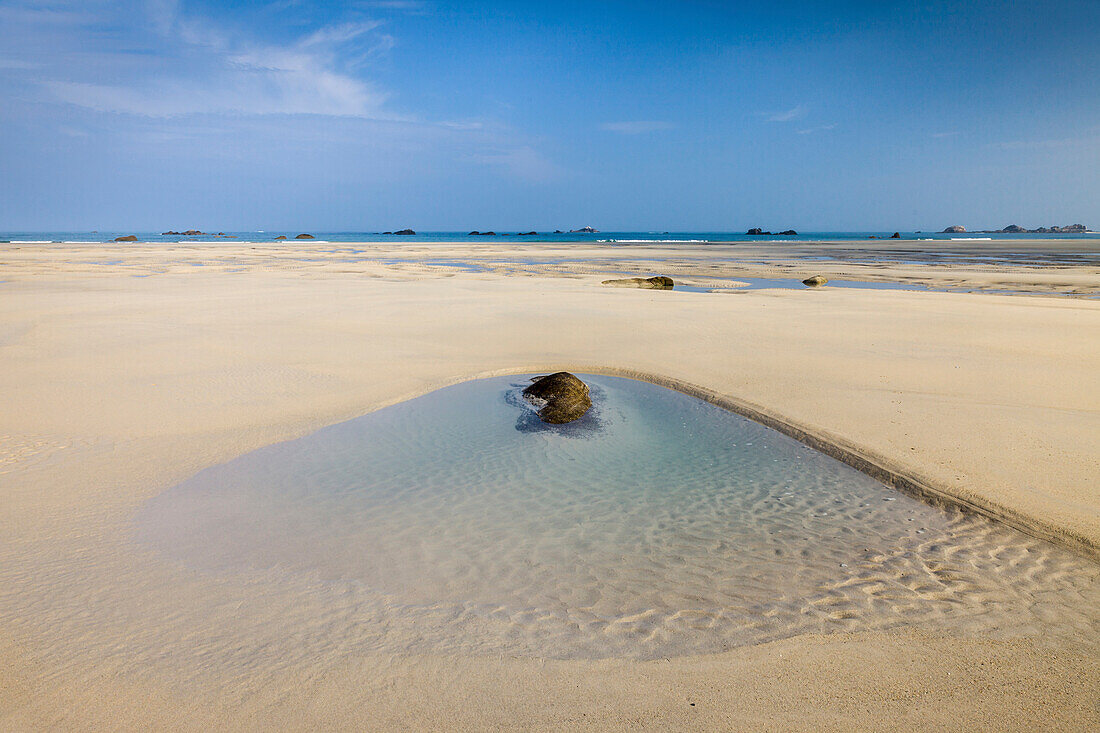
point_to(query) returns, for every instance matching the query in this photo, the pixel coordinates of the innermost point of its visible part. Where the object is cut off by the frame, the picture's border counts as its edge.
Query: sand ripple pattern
(659, 525)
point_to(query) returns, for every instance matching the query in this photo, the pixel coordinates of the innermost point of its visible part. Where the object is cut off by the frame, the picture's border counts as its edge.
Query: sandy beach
(127, 369)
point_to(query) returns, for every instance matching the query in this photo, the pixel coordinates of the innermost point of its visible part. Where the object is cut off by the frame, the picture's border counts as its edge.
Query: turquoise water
(657, 525)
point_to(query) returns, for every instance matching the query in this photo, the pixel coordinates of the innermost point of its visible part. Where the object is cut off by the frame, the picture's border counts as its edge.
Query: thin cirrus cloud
(791, 114)
(636, 127)
(189, 66)
(819, 128)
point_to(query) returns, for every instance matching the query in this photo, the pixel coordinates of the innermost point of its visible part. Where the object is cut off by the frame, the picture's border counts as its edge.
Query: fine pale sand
(127, 369)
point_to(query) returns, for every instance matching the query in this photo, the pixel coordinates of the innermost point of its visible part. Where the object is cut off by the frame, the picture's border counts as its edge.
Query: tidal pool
(657, 525)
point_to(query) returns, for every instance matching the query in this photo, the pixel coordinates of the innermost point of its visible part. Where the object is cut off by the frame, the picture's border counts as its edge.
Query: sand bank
(125, 370)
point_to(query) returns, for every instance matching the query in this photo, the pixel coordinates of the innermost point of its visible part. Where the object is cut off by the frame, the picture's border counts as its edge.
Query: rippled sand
(657, 526)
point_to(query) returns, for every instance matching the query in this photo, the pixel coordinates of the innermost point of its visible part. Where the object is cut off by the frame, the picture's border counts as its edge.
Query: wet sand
(127, 369)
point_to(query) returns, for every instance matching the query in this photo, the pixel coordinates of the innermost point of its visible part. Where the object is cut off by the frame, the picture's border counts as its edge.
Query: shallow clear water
(658, 525)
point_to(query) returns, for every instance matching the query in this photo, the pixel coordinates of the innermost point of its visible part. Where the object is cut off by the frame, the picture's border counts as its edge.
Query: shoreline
(122, 386)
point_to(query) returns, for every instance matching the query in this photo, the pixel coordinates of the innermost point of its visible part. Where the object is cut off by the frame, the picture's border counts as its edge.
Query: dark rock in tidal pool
(660, 282)
(560, 397)
(305, 236)
(815, 281)
(406, 232)
(895, 235)
(127, 238)
(281, 236)
(956, 229)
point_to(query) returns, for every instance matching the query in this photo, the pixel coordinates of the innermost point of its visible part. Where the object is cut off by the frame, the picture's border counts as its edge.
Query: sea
(624, 238)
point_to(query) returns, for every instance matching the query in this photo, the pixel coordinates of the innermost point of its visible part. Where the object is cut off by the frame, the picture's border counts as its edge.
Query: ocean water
(658, 525)
(623, 238)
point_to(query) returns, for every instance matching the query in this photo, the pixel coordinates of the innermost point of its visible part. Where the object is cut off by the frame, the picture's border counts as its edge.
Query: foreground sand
(121, 379)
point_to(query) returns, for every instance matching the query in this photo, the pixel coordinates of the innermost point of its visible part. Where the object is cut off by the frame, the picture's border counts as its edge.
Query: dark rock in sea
(558, 231)
(1073, 229)
(1013, 229)
(660, 282)
(895, 235)
(305, 236)
(127, 238)
(281, 236)
(755, 231)
(560, 397)
(584, 230)
(169, 234)
(406, 232)
(527, 234)
(790, 233)
(482, 234)
(193, 233)
(815, 281)
(955, 230)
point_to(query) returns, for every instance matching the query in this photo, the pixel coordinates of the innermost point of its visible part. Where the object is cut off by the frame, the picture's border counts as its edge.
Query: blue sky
(706, 116)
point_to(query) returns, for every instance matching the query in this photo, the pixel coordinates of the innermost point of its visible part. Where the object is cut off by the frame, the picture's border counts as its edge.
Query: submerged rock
(561, 397)
(127, 238)
(660, 282)
(815, 281)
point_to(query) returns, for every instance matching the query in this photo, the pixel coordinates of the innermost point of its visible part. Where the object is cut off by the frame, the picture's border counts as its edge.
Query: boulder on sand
(660, 282)
(815, 281)
(127, 238)
(559, 397)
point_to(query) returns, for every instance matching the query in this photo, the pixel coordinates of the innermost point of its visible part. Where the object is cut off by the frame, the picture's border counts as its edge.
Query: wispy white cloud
(522, 162)
(791, 114)
(819, 128)
(219, 74)
(636, 127)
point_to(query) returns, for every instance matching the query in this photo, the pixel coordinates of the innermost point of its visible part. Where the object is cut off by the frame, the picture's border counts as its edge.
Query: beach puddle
(658, 525)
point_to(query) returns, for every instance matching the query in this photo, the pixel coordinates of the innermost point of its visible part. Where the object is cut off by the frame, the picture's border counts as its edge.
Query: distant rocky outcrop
(558, 231)
(560, 397)
(816, 281)
(758, 232)
(406, 232)
(281, 236)
(956, 229)
(476, 233)
(584, 230)
(305, 236)
(127, 238)
(1016, 229)
(660, 282)
(527, 234)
